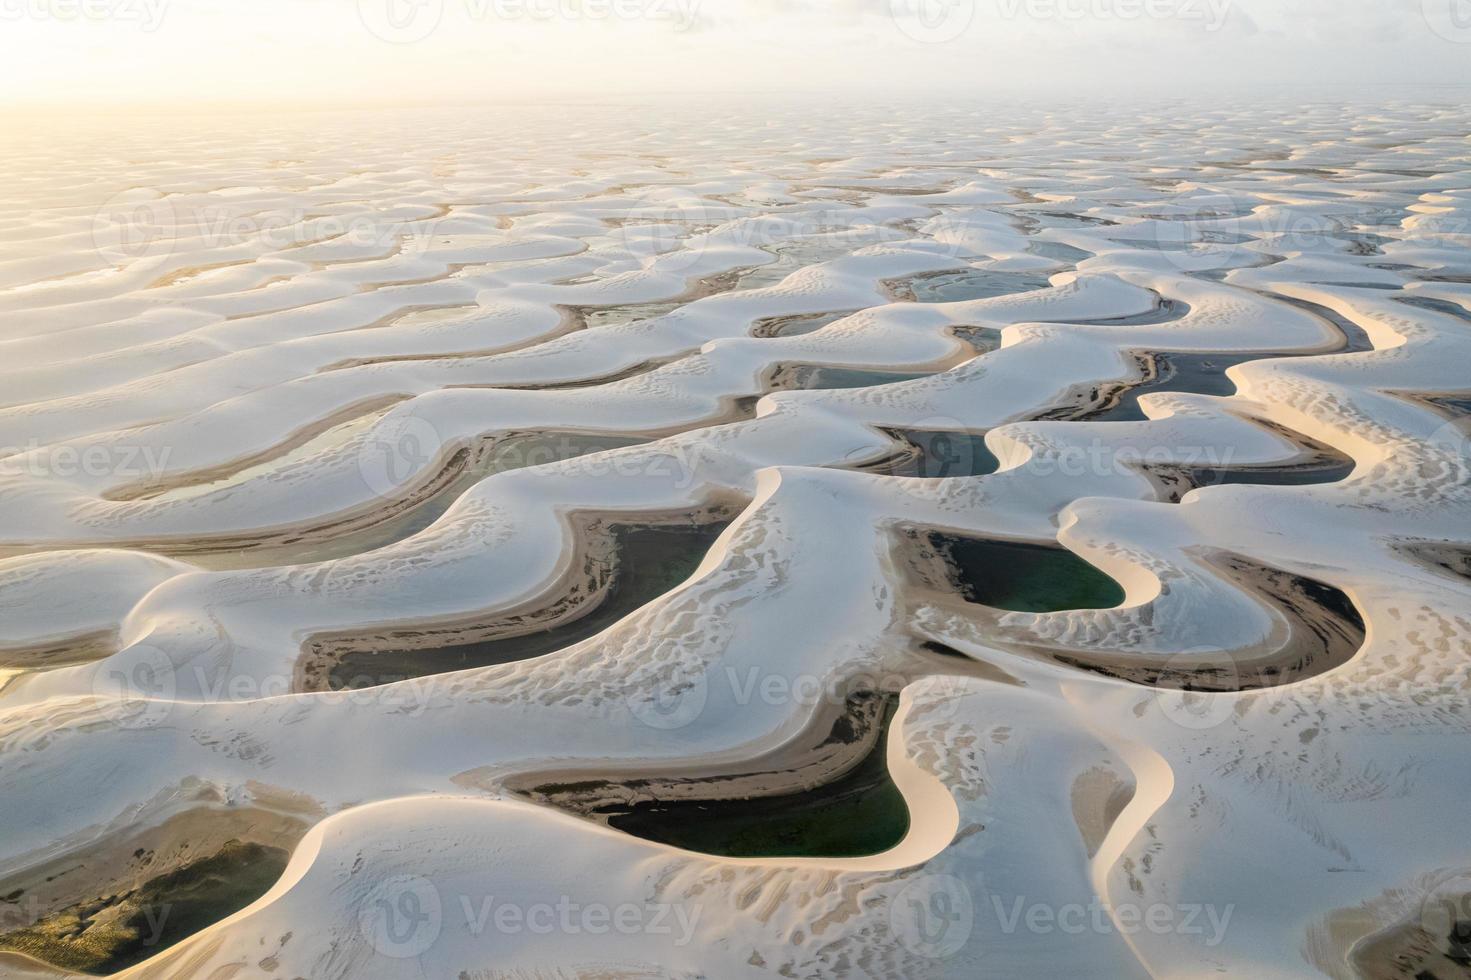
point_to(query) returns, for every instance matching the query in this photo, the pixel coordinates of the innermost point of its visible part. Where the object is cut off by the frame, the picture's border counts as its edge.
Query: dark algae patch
(793, 326)
(1059, 252)
(856, 813)
(361, 533)
(594, 317)
(1317, 464)
(117, 931)
(797, 255)
(1023, 577)
(1196, 374)
(859, 814)
(982, 340)
(1437, 306)
(1355, 340)
(1453, 405)
(808, 377)
(967, 284)
(1165, 311)
(934, 454)
(1314, 472)
(512, 451)
(1432, 943)
(1446, 557)
(645, 561)
(1324, 630)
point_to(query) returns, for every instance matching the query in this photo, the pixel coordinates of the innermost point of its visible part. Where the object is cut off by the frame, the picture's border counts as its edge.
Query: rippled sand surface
(622, 542)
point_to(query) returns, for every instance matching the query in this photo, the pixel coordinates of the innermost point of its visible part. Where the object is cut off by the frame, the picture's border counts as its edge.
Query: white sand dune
(286, 390)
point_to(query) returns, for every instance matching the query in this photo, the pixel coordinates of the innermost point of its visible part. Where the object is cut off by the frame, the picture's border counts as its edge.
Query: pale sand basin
(863, 540)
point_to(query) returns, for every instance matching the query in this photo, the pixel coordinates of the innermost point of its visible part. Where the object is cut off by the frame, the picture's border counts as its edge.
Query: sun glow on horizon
(304, 52)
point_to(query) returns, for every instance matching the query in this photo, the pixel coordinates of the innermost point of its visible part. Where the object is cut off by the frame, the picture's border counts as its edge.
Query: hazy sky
(312, 51)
